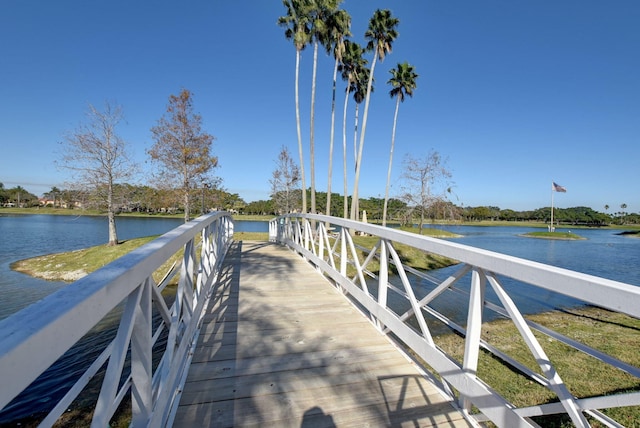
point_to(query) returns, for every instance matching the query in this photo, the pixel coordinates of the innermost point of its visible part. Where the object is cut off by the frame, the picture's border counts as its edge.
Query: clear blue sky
(514, 93)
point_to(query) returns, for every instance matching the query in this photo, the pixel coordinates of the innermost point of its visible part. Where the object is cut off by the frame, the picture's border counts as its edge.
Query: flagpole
(551, 227)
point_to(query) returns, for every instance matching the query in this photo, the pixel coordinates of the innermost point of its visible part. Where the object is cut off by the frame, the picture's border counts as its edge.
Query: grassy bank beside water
(72, 265)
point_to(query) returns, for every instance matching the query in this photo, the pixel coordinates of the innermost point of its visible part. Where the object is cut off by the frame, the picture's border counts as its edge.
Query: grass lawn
(610, 332)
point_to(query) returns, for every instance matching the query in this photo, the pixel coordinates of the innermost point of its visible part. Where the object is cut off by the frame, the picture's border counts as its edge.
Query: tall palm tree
(296, 22)
(403, 82)
(338, 27)
(350, 69)
(319, 12)
(359, 95)
(381, 33)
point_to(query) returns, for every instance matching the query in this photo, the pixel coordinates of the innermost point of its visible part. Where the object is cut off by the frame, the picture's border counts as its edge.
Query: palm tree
(380, 34)
(296, 24)
(54, 192)
(319, 13)
(403, 81)
(623, 213)
(338, 27)
(351, 68)
(359, 95)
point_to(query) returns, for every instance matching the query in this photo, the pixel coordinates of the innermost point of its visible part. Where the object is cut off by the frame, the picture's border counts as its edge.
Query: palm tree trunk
(333, 121)
(393, 140)
(354, 204)
(344, 152)
(304, 186)
(311, 129)
(355, 150)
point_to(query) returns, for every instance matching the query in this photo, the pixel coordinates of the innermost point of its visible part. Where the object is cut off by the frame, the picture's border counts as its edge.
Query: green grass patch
(610, 332)
(50, 211)
(410, 256)
(251, 236)
(553, 235)
(428, 231)
(70, 266)
(253, 217)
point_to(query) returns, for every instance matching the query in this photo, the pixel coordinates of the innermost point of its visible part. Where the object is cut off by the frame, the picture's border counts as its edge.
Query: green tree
(54, 193)
(403, 82)
(623, 212)
(98, 158)
(3, 195)
(338, 27)
(181, 148)
(381, 33)
(296, 24)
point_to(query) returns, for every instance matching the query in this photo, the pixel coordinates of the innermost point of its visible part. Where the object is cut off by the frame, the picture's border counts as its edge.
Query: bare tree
(98, 158)
(181, 149)
(285, 191)
(426, 181)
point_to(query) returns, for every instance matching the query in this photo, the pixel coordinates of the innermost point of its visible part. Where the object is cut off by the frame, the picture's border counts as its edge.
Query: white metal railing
(34, 338)
(327, 243)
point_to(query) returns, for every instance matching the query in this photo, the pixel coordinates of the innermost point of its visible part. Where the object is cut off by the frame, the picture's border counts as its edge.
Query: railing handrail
(32, 339)
(308, 235)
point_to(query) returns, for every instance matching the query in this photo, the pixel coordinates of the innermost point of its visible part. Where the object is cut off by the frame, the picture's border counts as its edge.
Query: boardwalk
(281, 347)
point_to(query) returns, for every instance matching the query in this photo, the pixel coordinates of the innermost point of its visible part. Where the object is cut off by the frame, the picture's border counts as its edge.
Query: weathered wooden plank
(281, 347)
(333, 360)
(228, 345)
(401, 397)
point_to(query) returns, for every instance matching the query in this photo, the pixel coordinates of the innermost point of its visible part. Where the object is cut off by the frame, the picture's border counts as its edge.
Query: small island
(631, 233)
(567, 236)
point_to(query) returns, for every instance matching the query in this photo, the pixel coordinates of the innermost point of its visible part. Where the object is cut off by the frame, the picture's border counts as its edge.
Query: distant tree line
(128, 198)
(153, 200)
(17, 196)
(568, 216)
(404, 213)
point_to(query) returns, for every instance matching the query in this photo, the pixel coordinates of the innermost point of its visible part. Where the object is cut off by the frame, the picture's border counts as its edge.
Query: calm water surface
(24, 236)
(604, 253)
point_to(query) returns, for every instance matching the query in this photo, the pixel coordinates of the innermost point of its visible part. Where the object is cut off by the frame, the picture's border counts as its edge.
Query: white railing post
(383, 277)
(105, 404)
(141, 359)
(474, 329)
(343, 252)
(186, 280)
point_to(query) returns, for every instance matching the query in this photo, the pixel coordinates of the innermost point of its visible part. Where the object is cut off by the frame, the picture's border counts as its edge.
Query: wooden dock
(281, 347)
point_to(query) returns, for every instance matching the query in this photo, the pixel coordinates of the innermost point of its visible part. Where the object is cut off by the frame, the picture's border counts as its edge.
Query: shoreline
(630, 228)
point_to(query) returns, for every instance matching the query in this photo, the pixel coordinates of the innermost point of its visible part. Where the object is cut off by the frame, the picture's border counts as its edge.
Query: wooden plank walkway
(281, 347)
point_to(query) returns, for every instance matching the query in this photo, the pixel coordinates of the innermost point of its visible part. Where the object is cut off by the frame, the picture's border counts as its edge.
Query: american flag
(558, 188)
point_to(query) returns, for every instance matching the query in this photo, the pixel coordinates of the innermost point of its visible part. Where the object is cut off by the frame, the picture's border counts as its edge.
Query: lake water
(24, 236)
(604, 253)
